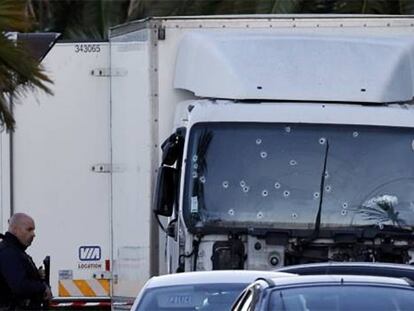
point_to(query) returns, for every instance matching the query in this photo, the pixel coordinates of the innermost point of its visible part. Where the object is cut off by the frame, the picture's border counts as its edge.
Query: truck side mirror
(171, 148)
(164, 197)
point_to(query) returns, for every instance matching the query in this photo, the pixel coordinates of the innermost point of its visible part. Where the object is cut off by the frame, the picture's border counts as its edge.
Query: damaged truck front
(279, 184)
(292, 139)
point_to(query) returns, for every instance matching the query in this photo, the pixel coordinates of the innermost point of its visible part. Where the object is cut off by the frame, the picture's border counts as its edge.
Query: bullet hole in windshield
(231, 212)
(259, 215)
(288, 129)
(195, 166)
(246, 189)
(294, 215)
(242, 183)
(258, 141)
(344, 212)
(225, 184)
(202, 179)
(344, 205)
(195, 158)
(195, 175)
(286, 193)
(263, 154)
(328, 188)
(277, 185)
(355, 134)
(265, 193)
(316, 195)
(326, 174)
(322, 140)
(293, 162)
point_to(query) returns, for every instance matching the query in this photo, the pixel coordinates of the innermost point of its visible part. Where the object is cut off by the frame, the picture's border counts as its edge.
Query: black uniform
(21, 286)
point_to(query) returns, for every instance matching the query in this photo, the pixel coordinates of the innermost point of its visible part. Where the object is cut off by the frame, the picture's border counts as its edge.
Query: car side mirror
(165, 191)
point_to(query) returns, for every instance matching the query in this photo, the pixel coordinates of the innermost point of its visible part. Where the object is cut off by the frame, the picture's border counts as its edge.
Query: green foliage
(78, 19)
(145, 8)
(91, 19)
(18, 70)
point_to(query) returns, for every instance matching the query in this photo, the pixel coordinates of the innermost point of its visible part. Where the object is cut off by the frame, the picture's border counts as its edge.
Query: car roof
(213, 277)
(340, 279)
(374, 265)
(355, 268)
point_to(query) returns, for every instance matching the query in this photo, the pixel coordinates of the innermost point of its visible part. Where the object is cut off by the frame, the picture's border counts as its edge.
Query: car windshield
(342, 298)
(270, 176)
(205, 297)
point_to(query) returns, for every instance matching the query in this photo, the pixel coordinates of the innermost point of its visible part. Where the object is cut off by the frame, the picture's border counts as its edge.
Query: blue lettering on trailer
(89, 253)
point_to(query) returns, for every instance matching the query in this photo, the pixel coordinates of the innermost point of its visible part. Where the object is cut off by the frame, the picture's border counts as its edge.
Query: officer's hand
(47, 296)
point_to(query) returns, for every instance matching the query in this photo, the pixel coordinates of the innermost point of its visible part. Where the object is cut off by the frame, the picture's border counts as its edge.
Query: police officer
(21, 285)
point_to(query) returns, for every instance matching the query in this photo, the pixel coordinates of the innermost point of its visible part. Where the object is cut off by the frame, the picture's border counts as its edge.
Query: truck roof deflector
(293, 66)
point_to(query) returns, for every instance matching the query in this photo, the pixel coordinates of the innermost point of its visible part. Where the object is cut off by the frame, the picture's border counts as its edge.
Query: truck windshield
(241, 175)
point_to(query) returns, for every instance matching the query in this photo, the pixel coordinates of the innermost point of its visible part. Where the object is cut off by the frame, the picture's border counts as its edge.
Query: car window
(190, 297)
(342, 298)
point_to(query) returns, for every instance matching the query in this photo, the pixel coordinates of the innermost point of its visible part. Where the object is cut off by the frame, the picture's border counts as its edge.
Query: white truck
(292, 140)
(285, 139)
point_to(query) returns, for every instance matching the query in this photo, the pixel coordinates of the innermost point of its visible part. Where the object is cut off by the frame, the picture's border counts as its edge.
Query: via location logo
(89, 253)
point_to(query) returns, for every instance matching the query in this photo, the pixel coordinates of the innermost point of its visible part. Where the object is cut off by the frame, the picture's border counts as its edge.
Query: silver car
(206, 291)
(328, 293)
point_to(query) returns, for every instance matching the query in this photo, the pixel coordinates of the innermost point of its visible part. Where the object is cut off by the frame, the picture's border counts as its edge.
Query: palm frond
(19, 71)
(13, 16)
(6, 117)
(19, 67)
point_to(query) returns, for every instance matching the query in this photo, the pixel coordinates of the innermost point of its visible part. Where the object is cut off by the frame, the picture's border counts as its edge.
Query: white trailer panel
(60, 156)
(132, 150)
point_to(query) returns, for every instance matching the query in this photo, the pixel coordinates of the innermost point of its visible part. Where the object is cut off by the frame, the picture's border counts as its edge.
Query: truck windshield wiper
(317, 225)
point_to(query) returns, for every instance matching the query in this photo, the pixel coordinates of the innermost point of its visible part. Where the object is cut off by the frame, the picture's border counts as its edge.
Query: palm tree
(91, 19)
(78, 19)
(19, 71)
(145, 8)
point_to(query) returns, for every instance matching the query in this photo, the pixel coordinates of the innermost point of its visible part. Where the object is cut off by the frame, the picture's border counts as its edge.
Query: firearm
(46, 265)
(46, 278)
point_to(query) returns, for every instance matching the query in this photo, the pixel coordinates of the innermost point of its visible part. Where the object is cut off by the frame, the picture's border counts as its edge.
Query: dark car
(327, 293)
(355, 268)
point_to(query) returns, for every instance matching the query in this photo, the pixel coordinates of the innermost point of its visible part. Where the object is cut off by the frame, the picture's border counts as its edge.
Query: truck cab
(296, 148)
(271, 184)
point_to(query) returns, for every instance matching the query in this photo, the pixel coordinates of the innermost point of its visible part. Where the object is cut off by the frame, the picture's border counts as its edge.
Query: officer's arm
(13, 270)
